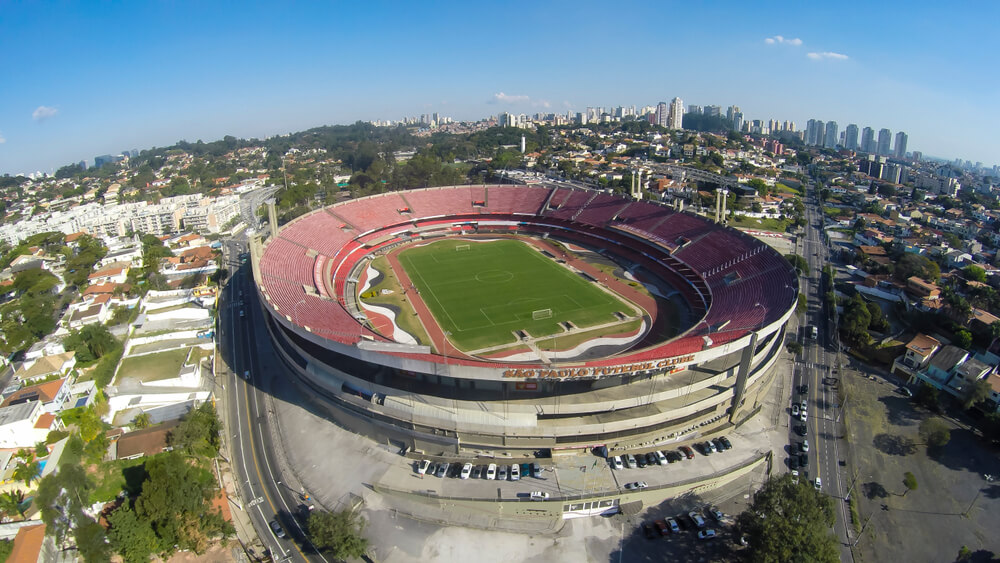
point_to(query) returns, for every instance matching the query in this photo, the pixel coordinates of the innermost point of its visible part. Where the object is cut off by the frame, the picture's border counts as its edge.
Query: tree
(977, 392)
(338, 533)
(798, 262)
(91, 540)
(141, 420)
(974, 273)
(927, 395)
(963, 339)
(910, 481)
(198, 433)
(27, 472)
(856, 320)
(789, 522)
(916, 265)
(935, 432)
(11, 501)
(131, 537)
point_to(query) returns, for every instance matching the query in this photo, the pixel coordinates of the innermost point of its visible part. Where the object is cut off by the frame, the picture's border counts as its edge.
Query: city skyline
(94, 80)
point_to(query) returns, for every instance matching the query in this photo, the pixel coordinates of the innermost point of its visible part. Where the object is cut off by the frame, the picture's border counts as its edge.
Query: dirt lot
(953, 505)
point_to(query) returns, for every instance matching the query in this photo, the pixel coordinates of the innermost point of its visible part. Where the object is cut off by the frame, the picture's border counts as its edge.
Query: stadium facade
(737, 295)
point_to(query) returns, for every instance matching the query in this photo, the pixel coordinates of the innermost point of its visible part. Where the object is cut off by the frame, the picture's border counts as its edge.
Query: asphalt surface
(266, 498)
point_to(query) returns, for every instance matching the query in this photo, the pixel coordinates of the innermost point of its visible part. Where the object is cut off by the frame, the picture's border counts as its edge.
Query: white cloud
(795, 42)
(501, 98)
(827, 55)
(43, 113)
(2, 139)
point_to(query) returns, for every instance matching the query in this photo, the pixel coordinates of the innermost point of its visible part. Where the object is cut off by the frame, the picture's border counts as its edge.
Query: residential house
(114, 273)
(942, 367)
(918, 355)
(922, 289)
(52, 394)
(47, 365)
(145, 442)
(965, 375)
(25, 424)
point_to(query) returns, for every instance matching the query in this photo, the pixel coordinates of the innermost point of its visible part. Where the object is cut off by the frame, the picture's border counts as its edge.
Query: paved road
(819, 363)
(265, 497)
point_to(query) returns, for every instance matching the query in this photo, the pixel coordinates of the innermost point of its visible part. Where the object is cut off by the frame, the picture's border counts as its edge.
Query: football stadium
(523, 318)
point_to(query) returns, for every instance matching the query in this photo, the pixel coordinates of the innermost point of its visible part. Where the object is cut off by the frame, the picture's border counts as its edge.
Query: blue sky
(89, 78)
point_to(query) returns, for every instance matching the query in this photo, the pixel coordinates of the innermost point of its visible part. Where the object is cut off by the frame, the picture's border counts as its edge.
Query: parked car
(423, 466)
(539, 495)
(641, 460)
(795, 477)
(502, 472)
(647, 531)
(466, 471)
(491, 471)
(672, 523)
(697, 519)
(616, 463)
(515, 472)
(661, 527)
(443, 469)
(651, 459)
(630, 461)
(793, 461)
(477, 471)
(661, 458)
(706, 535)
(804, 460)
(804, 405)
(801, 429)
(673, 456)
(719, 445)
(906, 392)
(636, 485)
(804, 446)
(725, 442)
(536, 470)
(525, 470)
(714, 512)
(687, 452)
(804, 389)
(795, 410)
(277, 529)
(803, 416)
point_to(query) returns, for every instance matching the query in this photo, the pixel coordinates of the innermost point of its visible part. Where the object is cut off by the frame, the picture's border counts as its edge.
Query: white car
(616, 463)
(660, 457)
(539, 495)
(818, 484)
(697, 518)
(795, 410)
(635, 486)
(804, 416)
(466, 471)
(805, 404)
(706, 535)
(795, 477)
(805, 445)
(443, 469)
(630, 461)
(424, 465)
(491, 471)
(515, 472)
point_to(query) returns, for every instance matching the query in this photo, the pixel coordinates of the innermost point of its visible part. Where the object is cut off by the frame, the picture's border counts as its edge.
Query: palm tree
(11, 501)
(142, 420)
(26, 472)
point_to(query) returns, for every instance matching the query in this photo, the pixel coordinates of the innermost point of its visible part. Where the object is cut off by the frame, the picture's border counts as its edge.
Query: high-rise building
(830, 140)
(851, 137)
(810, 132)
(694, 109)
(676, 118)
(900, 148)
(868, 140)
(737, 121)
(820, 133)
(661, 114)
(884, 140)
(731, 112)
(712, 111)
(917, 155)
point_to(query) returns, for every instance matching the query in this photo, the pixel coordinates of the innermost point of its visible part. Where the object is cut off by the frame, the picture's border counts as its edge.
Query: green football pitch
(481, 292)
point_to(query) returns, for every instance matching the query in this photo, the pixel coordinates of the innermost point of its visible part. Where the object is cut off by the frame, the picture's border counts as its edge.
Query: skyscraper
(738, 121)
(661, 114)
(820, 133)
(694, 109)
(830, 141)
(884, 139)
(868, 140)
(732, 111)
(676, 118)
(712, 111)
(900, 149)
(851, 137)
(810, 132)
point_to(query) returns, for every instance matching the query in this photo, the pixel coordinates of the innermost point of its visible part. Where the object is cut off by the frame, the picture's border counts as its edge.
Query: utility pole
(863, 528)
(851, 488)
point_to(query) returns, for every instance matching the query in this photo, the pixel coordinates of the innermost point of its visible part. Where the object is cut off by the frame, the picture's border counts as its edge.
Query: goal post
(460, 247)
(541, 314)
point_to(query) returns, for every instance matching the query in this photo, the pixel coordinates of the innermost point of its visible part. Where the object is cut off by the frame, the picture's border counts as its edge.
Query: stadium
(523, 318)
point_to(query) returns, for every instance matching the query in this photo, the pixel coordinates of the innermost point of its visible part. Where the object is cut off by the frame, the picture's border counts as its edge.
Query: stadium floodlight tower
(636, 190)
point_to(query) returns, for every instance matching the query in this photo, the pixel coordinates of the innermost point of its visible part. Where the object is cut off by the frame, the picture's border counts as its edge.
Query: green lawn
(483, 293)
(153, 367)
(741, 221)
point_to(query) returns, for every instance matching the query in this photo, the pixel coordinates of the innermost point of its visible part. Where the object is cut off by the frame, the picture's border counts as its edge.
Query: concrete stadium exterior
(739, 295)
